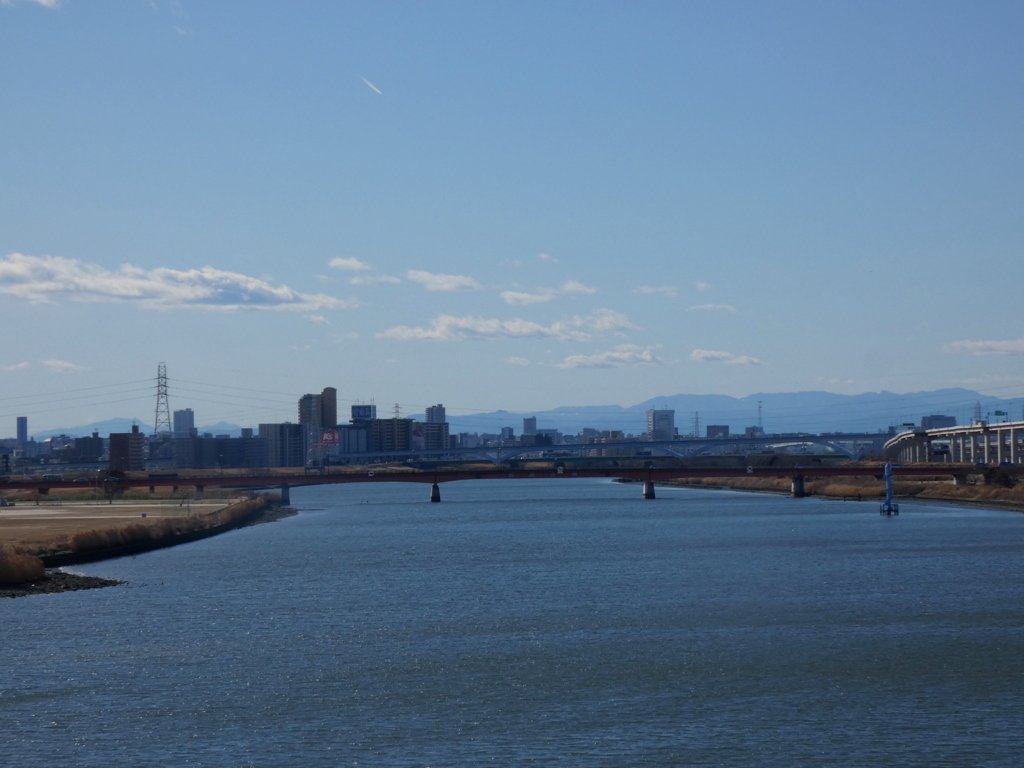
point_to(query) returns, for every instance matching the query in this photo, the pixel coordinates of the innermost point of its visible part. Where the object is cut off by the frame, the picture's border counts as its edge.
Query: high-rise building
(530, 425)
(661, 425)
(285, 444)
(435, 414)
(128, 450)
(23, 429)
(435, 435)
(311, 411)
(329, 408)
(937, 421)
(392, 434)
(319, 411)
(184, 423)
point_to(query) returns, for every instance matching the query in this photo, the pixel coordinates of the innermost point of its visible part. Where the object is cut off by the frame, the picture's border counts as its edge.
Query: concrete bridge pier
(286, 496)
(435, 493)
(648, 490)
(796, 488)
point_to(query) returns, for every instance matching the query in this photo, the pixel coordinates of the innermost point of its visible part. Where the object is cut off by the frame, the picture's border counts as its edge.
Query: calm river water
(547, 622)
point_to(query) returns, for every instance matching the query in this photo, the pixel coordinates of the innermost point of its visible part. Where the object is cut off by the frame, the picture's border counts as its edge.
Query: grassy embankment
(989, 491)
(24, 562)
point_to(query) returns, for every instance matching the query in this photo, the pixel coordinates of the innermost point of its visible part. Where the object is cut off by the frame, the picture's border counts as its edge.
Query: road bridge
(979, 443)
(285, 480)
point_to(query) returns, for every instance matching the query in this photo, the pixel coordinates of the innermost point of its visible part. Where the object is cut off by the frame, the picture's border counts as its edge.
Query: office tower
(661, 425)
(184, 423)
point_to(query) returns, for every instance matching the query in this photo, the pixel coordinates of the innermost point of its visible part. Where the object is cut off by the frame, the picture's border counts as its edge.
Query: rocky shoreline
(58, 580)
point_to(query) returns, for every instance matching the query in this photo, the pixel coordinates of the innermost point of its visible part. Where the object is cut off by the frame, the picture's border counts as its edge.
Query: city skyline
(512, 208)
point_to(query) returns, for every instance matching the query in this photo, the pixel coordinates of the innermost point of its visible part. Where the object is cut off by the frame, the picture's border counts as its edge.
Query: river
(539, 622)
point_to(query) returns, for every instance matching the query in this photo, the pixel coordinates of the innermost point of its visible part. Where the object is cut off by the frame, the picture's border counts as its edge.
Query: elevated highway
(980, 443)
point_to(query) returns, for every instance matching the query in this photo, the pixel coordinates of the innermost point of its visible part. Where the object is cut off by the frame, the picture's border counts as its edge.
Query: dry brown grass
(168, 527)
(17, 567)
(932, 489)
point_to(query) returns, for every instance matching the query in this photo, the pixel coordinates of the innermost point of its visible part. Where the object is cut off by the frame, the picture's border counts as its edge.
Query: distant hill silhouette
(781, 412)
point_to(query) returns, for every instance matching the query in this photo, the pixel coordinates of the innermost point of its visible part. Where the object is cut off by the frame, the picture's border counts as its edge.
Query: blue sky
(504, 205)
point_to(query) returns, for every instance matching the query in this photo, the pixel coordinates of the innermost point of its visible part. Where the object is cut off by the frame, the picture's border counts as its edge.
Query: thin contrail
(372, 86)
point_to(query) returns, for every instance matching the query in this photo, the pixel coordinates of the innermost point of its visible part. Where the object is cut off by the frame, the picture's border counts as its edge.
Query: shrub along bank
(18, 565)
(867, 489)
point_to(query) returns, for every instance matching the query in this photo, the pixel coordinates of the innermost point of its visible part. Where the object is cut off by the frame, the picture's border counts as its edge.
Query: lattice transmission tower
(163, 409)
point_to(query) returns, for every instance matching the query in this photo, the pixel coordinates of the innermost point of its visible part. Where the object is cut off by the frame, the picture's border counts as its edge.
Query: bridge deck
(392, 475)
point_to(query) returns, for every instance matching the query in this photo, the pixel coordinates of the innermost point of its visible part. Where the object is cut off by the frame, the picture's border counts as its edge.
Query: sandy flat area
(28, 524)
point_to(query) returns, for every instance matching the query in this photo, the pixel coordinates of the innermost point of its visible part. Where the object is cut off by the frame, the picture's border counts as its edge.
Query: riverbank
(26, 572)
(867, 489)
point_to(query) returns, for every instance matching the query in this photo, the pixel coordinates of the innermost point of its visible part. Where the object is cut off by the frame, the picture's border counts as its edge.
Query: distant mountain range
(779, 412)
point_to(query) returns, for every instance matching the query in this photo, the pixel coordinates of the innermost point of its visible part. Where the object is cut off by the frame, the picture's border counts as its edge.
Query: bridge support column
(796, 488)
(1000, 435)
(435, 493)
(985, 446)
(648, 490)
(286, 495)
(1014, 453)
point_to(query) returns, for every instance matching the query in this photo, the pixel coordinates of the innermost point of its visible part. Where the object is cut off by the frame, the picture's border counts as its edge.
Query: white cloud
(60, 366)
(712, 308)
(371, 279)
(542, 295)
(517, 361)
(709, 356)
(572, 286)
(546, 257)
(703, 286)
(318, 319)
(448, 328)
(520, 299)
(44, 278)
(648, 290)
(610, 320)
(44, 3)
(624, 354)
(832, 380)
(352, 265)
(434, 282)
(17, 367)
(371, 85)
(979, 347)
